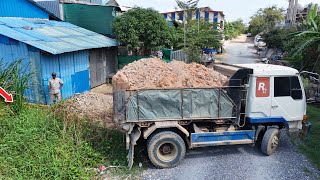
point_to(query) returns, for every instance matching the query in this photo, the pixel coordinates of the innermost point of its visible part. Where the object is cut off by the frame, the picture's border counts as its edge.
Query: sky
(233, 9)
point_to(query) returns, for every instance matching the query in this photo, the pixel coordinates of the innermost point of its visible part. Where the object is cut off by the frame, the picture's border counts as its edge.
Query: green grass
(311, 145)
(37, 145)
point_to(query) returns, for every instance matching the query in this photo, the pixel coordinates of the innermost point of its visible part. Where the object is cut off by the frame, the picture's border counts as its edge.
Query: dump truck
(251, 108)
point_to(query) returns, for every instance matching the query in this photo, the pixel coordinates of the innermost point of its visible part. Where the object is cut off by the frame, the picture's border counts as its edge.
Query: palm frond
(312, 41)
(307, 33)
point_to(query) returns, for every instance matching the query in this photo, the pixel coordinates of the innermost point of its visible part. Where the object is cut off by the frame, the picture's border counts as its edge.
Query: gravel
(239, 162)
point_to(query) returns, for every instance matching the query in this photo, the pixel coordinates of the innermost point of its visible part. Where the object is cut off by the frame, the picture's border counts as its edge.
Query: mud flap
(306, 129)
(134, 136)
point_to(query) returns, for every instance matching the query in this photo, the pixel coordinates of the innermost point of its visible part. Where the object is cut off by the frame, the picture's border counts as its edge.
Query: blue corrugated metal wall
(21, 8)
(72, 68)
(11, 50)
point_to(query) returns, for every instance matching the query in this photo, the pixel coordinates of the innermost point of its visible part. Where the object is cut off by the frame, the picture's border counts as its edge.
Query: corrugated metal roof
(52, 6)
(112, 3)
(93, 2)
(54, 37)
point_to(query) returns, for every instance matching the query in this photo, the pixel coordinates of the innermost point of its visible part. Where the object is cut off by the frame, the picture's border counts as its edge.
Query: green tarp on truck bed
(179, 104)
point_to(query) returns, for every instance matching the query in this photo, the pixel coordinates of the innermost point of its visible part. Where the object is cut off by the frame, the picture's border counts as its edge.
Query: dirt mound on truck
(154, 74)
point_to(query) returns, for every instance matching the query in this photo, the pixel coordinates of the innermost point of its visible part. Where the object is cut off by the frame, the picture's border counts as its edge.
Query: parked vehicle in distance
(261, 43)
(254, 105)
(265, 60)
(249, 35)
(255, 41)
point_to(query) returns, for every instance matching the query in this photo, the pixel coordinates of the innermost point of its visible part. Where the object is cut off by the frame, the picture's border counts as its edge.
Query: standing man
(55, 85)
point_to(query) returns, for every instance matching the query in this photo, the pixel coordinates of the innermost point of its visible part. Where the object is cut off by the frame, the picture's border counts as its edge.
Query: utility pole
(184, 28)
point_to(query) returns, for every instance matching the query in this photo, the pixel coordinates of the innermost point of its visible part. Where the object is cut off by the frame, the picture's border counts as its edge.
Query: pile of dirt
(94, 106)
(154, 74)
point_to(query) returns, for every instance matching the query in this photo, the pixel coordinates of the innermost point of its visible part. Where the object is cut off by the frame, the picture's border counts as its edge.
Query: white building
(203, 13)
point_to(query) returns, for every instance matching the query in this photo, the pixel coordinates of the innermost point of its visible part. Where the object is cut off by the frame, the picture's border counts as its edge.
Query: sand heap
(154, 74)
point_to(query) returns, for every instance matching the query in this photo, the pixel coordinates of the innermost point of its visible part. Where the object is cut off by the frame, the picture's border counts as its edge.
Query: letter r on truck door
(263, 87)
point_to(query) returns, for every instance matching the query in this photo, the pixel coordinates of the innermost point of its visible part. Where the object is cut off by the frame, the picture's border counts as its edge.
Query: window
(287, 86)
(296, 92)
(173, 15)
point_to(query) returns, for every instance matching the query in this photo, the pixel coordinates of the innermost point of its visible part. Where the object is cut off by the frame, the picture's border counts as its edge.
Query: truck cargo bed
(173, 104)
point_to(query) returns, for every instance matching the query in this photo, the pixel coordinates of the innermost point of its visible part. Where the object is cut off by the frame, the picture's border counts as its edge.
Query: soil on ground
(96, 107)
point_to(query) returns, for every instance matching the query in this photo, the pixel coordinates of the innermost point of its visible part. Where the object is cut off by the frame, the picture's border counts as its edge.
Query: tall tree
(198, 37)
(143, 30)
(265, 19)
(234, 28)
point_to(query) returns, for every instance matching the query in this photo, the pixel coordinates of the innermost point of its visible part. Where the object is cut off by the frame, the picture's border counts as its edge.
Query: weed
(311, 145)
(36, 145)
(15, 78)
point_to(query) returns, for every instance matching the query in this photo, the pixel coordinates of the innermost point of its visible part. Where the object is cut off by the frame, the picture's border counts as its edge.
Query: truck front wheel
(166, 149)
(270, 141)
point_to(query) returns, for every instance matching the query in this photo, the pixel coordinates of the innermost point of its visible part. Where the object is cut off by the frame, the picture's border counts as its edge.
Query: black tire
(260, 137)
(270, 141)
(166, 149)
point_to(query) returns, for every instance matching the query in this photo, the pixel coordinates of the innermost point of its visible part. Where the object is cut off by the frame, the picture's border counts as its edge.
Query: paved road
(239, 51)
(241, 161)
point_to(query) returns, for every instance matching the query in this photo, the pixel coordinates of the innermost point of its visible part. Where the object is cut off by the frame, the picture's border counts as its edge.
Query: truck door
(259, 97)
(288, 100)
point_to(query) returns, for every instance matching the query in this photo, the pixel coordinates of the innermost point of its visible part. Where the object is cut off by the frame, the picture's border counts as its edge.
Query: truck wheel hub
(167, 151)
(274, 142)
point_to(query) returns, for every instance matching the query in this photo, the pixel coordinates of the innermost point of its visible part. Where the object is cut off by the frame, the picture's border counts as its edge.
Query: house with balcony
(215, 17)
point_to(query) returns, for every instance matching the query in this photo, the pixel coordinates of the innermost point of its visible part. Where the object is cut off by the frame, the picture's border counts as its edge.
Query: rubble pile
(153, 73)
(94, 106)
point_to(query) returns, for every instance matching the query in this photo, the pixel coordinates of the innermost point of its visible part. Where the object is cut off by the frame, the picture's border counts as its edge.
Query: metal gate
(179, 55)
(102, 65)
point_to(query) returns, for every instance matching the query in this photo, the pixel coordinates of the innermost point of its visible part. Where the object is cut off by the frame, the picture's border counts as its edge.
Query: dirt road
(241, 161)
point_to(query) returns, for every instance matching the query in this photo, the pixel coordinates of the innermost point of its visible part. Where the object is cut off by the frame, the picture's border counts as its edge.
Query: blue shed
(24, 8)
(53, 46)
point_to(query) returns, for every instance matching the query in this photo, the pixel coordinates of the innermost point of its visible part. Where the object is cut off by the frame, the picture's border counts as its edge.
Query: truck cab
(275, 94)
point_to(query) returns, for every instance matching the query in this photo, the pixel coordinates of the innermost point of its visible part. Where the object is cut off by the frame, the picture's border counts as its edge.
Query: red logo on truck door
(263, 87)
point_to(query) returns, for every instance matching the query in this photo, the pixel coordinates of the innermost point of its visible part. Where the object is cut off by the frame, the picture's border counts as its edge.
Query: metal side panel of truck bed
(174, 104)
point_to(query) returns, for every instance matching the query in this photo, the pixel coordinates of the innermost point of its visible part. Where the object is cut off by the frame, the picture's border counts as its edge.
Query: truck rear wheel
(166, 149)
(270, 141)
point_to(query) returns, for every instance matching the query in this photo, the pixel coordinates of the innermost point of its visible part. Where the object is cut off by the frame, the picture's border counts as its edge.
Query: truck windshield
(287, 86)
